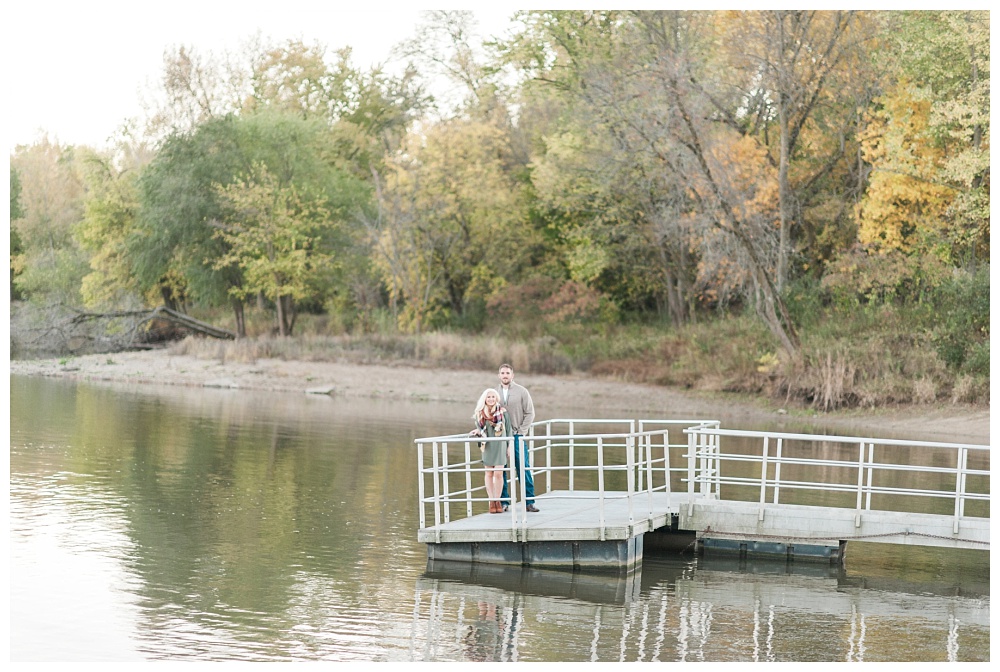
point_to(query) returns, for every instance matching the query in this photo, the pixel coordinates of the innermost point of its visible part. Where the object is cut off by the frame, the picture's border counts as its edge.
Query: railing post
(871, 475)
(548, 455)
(630, 473)
(715, 485)
(778, 454)
(468, 479)
(692, 451)
(420, 484)
(640, 461)
(861, 477)
(523, 487)
(763, 479)
(666, 465)
(444, 482)
(646, 465)
(437, 488)
(512, 486)
(572, 462)
(600, 485)
(961, 466)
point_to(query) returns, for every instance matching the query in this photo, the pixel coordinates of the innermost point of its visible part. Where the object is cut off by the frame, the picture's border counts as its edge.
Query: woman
(492, 420)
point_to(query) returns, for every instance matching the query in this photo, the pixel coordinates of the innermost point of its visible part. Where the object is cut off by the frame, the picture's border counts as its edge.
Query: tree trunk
(784, 194)
(286, 315)
(241, 325)
(675, 299)
(280, 307)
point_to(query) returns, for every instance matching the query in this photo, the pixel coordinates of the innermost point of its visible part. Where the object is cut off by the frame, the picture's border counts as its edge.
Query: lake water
(154, 523)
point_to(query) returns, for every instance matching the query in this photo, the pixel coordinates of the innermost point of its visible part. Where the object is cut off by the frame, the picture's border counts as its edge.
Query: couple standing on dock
(506, 410)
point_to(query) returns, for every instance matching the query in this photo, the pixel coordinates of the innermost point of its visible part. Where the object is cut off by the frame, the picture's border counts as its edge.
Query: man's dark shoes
(532, 508)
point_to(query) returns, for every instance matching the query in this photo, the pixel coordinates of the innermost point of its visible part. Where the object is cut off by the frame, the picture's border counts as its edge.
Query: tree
(608, 211)
(193, 89)
(446, 46)
(791, 69)
(275, 236)
(927, 146)
(175, 246)
(368, 111)
(641, 81)
(15, 240)
(111, 205)
(445, 225)
(50, 264)
(171, 247)
(904, 205)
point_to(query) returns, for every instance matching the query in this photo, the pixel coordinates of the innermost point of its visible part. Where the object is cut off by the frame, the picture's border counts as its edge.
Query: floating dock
(655, 492)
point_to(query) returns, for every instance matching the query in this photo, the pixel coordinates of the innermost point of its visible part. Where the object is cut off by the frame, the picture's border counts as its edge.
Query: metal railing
(576, 458)
(848, 472)
(566, 456)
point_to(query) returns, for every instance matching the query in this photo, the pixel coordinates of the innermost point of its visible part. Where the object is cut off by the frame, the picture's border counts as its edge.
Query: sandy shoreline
(558, 395)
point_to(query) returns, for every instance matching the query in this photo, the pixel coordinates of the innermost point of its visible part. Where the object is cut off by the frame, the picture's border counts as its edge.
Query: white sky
(75, 69)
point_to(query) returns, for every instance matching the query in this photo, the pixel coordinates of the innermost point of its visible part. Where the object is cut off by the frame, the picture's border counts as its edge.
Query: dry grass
(443, 350)
(861, 364)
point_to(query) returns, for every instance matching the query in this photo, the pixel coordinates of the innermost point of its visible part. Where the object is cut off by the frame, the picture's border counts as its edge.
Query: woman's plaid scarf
(495, 418)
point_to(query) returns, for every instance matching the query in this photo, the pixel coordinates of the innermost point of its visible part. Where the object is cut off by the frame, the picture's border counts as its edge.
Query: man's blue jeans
(520, 453)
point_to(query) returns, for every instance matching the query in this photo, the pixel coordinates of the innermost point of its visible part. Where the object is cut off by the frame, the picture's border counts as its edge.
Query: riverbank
(557, 395)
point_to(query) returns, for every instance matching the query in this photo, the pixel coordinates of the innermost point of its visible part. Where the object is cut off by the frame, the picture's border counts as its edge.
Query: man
(521, 410)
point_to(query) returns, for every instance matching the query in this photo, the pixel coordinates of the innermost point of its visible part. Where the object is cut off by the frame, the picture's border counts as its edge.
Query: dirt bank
(559, 396)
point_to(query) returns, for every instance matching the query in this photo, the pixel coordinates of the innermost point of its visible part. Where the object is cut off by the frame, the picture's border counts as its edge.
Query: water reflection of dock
(719, 608)
(601, 588)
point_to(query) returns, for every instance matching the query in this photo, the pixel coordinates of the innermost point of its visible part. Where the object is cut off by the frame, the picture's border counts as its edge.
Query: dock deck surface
(563, 516)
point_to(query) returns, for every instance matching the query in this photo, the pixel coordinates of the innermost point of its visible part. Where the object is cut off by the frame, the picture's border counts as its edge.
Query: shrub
(962, 332)
(862, 277)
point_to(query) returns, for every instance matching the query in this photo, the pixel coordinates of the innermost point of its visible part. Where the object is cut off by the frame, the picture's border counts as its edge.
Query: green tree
(171, 247)
(51, 263)
(175, 247)
(447, 222)
(275, 236)
(110, 208)
(15, 240)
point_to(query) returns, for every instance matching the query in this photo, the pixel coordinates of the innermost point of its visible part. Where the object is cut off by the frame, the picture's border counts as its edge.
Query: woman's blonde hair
(481, 404)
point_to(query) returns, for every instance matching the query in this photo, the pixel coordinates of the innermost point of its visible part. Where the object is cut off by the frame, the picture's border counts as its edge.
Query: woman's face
(492, 399)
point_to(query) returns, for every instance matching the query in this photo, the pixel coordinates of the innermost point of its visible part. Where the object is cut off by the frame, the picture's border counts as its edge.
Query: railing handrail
(833, 438)
(706, 460)
(642, 455)
(539, 437)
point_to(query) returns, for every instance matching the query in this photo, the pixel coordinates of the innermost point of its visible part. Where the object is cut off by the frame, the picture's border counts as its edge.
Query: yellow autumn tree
(904, 205)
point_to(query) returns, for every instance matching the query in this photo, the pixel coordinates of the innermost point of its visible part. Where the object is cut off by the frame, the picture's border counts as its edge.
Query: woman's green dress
(495, 452)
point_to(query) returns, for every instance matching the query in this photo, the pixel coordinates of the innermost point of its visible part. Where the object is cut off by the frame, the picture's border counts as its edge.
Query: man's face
(506, 375)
